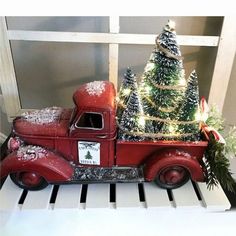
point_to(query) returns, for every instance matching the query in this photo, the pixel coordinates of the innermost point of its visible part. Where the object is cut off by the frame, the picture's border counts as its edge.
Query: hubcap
(29, 179)
(172, 175)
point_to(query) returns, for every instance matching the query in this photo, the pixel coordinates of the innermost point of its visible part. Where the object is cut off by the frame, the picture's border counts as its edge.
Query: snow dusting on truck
(95, 88)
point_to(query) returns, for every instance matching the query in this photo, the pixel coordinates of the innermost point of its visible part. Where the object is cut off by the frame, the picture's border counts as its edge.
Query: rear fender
(49, 165)
(167, 158)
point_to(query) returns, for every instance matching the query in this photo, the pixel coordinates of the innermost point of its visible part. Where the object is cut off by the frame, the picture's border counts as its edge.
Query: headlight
(13, 144)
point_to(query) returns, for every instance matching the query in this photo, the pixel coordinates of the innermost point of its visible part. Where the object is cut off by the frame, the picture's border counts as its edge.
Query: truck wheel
(172, 177)
(29, 180)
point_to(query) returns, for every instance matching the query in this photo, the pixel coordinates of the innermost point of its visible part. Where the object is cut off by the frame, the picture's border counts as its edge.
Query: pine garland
(217, 154)
(217, 165)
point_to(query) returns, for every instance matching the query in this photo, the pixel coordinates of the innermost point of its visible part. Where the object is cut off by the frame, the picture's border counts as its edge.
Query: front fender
(51, 166)
(167, 158)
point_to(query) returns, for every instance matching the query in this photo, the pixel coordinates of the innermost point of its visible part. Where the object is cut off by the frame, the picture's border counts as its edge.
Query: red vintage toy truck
(60, 146)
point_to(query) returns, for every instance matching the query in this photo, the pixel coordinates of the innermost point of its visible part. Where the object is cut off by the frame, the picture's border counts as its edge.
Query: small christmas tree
(190, 105)
(189, 113)
(187, 118)
(163, 81)
(128, 85)
(132, 124)
(88, 156)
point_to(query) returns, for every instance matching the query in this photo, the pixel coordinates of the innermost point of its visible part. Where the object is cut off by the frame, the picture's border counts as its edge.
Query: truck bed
(135, 153)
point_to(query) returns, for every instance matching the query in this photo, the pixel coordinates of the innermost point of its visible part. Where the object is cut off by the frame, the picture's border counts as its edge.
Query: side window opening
(90, 121)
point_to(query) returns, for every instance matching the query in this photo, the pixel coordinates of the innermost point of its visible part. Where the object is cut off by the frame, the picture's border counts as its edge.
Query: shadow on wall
(207, 56)
(229, 111)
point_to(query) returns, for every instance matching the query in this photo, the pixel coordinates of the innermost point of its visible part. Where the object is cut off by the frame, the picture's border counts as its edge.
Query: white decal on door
(89, 153)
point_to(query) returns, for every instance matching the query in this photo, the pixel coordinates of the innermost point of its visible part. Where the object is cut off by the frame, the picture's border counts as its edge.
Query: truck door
(92, 146)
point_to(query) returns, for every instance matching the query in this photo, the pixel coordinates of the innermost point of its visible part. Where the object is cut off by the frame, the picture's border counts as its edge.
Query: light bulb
(170, 25)
(149, 66)
(117, 99)
(126, 91)
(182, 82)
(172, 129)
(147, 89)
(141, 121)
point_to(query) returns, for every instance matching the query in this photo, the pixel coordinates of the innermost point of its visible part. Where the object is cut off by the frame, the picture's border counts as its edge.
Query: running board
(107, 175)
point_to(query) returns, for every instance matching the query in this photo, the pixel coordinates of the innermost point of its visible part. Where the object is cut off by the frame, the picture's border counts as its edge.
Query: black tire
(17, 178)
(163, 182)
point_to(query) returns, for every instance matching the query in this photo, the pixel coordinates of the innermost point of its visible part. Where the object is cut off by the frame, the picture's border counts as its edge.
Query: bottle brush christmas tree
(128, 84)
(170, 103)
(187, 119)
(163, 82)
(132, 124)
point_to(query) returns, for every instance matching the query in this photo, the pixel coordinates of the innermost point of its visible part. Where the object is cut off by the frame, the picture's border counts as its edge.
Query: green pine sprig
(215, 119)
(217, 154)
(217, 165)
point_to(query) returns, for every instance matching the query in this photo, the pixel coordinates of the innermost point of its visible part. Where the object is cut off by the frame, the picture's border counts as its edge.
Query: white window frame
(90, 128)
(221, 73)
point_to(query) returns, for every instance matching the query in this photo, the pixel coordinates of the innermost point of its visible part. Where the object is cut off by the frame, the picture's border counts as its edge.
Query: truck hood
(51, 121)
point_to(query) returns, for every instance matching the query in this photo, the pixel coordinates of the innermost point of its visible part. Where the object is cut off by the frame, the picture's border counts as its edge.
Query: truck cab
(94, 123)
(57, 145)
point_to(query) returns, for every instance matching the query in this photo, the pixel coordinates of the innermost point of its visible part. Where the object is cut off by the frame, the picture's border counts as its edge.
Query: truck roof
(97, 94)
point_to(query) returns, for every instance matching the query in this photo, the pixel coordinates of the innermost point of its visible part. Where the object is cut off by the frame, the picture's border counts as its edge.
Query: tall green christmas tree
(128, 85)
(132, 125)
(163, 81)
